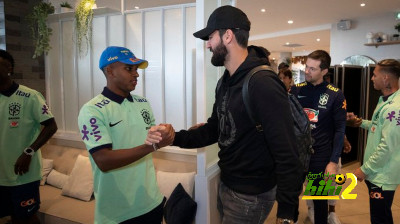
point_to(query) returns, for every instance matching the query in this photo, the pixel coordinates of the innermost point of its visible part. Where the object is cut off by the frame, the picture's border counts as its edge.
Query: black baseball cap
(224, 17)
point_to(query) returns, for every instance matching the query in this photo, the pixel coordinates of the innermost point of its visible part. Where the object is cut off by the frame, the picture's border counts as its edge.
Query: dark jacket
(253, 162)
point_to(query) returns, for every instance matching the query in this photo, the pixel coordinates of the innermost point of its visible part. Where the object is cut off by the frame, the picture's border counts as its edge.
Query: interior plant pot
(65, 9)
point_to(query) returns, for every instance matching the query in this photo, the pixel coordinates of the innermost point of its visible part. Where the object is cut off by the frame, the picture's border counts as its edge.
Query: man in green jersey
(23, 113)
(381, 164)
(113, 126)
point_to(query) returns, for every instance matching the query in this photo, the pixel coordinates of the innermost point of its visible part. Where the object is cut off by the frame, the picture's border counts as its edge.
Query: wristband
(29, 151)
(155, 146)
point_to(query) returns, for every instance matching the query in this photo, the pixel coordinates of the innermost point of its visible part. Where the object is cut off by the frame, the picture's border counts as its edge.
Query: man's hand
(359, 174)
(347, 145)
(167, 134)
(331, 168)
(352, 120)
(22, 165)
(162, 135)
(154, 135)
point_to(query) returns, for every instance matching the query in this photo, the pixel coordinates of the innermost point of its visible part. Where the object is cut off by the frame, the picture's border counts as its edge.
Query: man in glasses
(325, 106)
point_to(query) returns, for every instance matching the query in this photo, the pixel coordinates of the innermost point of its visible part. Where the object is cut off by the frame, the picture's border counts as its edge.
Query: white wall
(163, 36)
(351, 42)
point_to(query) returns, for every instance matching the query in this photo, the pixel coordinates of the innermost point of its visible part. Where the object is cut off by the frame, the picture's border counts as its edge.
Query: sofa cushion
(80, 182)
(57, 179)
(47, 166)
(180, 207)
(64, 157)
(167, 182)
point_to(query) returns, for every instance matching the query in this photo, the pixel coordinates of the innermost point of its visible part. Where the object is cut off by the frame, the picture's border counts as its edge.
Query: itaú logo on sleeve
(324, 190)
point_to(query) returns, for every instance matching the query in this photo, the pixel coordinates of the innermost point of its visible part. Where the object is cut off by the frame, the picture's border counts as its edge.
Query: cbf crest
(146, 116)
(323, 99)
(14, 109)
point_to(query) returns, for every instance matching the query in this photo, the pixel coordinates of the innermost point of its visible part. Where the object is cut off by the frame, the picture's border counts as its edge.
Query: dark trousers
(320, 206)
(380, 204)
(153, 217)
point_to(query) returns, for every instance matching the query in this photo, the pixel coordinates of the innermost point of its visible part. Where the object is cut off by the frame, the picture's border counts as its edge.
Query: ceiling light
(318, 39)
(287, 43)
(136, 7)
(362, 4)
(262, 10)
(290, 21)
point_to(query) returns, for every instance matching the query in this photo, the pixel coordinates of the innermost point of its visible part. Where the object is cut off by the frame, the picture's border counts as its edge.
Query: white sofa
(59, 209)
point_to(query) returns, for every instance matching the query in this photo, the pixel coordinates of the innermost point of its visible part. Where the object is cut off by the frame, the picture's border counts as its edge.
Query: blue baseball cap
(114, 54)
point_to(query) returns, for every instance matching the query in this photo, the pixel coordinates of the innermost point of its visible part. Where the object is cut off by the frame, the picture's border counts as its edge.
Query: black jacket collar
(257, 56)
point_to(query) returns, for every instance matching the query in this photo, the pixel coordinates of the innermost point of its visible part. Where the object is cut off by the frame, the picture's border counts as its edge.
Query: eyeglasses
(312, 69)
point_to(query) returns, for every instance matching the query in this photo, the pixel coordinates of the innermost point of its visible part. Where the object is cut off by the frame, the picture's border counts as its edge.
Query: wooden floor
(349, 211)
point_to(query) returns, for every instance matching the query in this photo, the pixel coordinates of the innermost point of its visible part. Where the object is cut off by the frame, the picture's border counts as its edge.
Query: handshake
(161, 135)
(352, 120)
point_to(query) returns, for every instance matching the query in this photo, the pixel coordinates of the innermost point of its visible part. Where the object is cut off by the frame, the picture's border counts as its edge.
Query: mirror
(360, 60)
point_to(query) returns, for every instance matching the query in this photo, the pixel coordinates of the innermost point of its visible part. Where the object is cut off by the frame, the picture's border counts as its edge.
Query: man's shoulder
(97, 102)
(333, 89)
(298, 85)
(139, 99)
(26, 91)
(394, 103)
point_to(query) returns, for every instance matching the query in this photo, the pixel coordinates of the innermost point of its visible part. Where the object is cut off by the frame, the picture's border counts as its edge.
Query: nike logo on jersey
(112, 125)
(30, 209)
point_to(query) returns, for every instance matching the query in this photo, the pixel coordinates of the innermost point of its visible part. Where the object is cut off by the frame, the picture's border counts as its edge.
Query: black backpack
(302, 129)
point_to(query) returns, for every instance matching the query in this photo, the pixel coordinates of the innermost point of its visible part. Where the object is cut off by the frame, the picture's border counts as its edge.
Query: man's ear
(228, 36)
(324, 72)
(108, 71)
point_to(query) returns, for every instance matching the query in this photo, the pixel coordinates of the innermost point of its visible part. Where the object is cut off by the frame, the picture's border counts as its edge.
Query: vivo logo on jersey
(102, 103)
(20, 93)
(94, 132)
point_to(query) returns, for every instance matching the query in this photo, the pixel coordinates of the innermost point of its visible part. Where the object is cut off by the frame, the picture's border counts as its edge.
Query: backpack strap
(246, 97)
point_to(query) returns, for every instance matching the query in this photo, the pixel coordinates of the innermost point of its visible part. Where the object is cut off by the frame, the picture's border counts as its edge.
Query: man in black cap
(255, 166)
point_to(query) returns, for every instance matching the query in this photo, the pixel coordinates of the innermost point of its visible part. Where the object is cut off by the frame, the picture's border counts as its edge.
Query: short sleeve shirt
(22, 112)
(111, 121)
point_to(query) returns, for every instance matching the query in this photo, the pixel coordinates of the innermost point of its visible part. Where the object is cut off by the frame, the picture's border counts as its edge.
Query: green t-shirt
(111, 121)
(22, 111)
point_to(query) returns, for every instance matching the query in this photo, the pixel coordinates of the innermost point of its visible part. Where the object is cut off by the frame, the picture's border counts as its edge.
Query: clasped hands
(352, 120)
(163, 135)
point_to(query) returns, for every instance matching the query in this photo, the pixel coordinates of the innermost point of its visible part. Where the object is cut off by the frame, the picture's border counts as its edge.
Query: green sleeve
(388, 142)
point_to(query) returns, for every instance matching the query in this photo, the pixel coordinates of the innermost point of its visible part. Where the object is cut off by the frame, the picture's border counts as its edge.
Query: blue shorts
(21, 201)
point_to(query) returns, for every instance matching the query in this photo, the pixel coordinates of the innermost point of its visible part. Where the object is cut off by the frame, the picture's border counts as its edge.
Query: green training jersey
(111, 121)
(22, 111)
(382, 154)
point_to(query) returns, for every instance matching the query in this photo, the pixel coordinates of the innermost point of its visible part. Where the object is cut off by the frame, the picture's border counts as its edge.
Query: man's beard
(219, 54)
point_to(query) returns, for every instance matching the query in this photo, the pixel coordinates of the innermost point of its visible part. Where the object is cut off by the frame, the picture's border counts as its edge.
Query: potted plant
(397, 27)
(83, 25)
(395, 37)
(40, 33)
(65, 7)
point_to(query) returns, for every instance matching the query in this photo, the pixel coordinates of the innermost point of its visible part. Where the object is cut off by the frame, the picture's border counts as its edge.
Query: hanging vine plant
(38, 25)
(83, 25)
